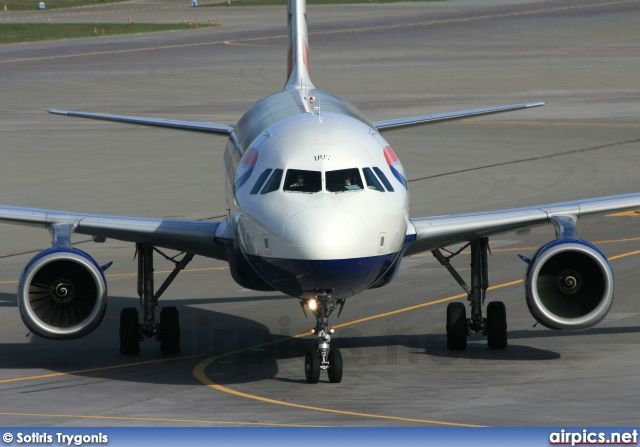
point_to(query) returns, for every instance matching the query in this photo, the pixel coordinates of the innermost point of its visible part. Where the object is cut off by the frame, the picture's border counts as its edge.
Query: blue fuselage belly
(341, 278)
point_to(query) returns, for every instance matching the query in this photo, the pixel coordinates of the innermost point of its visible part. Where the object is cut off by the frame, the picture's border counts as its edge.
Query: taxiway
(242, 359)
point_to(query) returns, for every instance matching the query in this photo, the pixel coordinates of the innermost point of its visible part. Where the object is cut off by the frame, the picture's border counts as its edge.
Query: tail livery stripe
(292, 57)
(298, 71)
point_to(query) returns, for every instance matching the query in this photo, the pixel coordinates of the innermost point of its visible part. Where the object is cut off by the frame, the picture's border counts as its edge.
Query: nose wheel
(334, 370)
(323, 357)
(313, 364)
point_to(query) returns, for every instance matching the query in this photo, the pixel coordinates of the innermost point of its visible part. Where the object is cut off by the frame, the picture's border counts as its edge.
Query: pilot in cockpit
(349, 185)
(299, 183)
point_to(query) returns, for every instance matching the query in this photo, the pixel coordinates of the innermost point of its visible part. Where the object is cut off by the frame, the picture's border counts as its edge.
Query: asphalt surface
(581, 57)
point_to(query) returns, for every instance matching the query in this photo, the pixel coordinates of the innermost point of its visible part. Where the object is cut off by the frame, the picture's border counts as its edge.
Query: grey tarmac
(390, 60)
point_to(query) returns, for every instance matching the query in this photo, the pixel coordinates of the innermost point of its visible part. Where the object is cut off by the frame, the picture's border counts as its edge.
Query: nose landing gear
(323, 357)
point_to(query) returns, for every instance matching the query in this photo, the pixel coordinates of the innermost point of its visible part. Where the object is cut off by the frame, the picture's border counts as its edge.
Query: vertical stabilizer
(298, 74)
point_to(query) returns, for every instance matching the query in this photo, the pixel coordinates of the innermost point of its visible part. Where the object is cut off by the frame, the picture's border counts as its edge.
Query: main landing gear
(494, 326)
(323, 357)
(132, 332)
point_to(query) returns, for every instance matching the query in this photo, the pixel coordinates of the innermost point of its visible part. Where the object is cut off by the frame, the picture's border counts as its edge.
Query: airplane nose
(324, 228)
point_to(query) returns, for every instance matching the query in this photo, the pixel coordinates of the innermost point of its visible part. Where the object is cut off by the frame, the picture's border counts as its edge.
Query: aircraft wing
(441, 231)
(197, 237)
(438, 118)
(221, 129)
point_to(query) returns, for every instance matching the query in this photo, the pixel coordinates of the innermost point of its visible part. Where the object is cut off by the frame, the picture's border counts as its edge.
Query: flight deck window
(372, 181)
(298, 180)
(273, 184)
(260, 182)
(344, 180)
(383, 177)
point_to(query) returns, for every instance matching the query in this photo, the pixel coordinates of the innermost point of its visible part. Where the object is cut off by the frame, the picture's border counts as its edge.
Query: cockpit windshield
(344, 180)
(372, 181)
(298, 180)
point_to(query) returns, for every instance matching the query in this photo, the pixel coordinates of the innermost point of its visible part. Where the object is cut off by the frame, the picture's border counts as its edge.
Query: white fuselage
(318, 200)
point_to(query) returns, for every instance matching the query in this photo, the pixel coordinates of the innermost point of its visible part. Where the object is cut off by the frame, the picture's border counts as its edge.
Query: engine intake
(569, 285)
(62, 294)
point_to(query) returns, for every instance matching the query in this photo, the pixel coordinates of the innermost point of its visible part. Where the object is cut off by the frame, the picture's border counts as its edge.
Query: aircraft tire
(335, 366)
(496, 325)
(129, 331)
(169, 331)
(456, 326)
(312, 366)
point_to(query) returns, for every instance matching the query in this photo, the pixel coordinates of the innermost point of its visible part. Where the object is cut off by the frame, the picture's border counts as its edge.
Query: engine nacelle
(569, 285)
(62, 294)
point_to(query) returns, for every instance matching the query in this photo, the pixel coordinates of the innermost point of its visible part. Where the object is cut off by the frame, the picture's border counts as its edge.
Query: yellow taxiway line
(145, 419)
(199, 371)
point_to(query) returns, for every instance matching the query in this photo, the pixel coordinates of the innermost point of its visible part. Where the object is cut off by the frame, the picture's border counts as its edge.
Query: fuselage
(317, 199)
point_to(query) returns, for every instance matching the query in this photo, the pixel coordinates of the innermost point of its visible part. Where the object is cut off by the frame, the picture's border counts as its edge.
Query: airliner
(318, 209)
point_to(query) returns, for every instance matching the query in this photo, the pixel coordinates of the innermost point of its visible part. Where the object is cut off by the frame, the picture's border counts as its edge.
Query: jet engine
(62, 294)
(569, 285)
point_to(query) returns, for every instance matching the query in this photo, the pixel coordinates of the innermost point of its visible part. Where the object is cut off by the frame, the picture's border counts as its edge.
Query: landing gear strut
(323, 357)
(132, 332)
(494, 326)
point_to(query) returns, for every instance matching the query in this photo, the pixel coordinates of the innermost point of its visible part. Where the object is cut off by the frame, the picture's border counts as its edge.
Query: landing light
(312, 304)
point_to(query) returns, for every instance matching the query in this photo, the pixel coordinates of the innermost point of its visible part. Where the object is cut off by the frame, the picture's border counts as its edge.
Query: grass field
(31, 32)
(28, 32)
(309, 2)
(24, 5)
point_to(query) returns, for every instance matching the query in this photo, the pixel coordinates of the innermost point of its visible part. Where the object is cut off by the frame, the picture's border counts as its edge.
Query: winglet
(298, 72)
